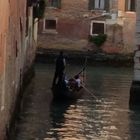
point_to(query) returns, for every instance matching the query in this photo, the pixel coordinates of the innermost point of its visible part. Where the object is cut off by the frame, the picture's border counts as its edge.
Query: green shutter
(55, 3)
(133, 5)
(107, 5)
(59, 3)
(91, 4)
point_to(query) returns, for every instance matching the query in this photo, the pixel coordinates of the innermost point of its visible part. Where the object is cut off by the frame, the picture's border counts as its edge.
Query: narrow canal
(106, 118)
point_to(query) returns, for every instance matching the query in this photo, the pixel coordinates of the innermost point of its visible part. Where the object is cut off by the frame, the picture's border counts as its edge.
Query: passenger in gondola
(75, 83)
(78, 81)
(59, 68)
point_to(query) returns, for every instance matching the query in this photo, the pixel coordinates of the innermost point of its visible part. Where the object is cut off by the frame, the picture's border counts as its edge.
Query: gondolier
(69, 89)
(59, 69)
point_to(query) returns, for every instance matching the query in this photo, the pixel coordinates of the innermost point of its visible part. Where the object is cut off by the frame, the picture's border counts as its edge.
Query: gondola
(64, 92)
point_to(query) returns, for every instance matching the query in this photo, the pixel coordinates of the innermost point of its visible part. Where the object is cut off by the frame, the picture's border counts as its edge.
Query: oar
(91, 94)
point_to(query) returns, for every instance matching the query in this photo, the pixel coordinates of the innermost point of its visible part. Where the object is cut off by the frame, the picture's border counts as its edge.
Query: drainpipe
(135, 87)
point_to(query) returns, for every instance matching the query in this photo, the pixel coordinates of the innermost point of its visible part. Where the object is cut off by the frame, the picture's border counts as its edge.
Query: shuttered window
(91, 5)
(130, 5)
(50, 24)
(99, 5)
(54, 3)
(97, 28)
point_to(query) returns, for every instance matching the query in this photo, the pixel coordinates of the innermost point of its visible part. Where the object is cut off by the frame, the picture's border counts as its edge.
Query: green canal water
(107, 117)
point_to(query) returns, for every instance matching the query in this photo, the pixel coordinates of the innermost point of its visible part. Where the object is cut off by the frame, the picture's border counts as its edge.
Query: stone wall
(17, 52)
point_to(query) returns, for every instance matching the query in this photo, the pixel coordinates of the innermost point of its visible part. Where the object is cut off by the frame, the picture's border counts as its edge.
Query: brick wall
(74, 20)
(73, 24)
(71, 20)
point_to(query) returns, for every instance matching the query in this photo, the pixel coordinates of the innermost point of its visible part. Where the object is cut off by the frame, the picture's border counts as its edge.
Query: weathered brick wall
(74, 21)
(128, 21)
(129, 32)
(74, 28)
(69, 9)
(115, 33)
(121, 5)
(73, 24)
(71, 18)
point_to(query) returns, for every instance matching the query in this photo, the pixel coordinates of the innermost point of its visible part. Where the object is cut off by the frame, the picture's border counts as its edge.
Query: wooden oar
(91, 94)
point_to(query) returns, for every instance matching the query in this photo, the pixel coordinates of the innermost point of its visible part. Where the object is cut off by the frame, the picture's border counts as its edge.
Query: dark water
(101, 114)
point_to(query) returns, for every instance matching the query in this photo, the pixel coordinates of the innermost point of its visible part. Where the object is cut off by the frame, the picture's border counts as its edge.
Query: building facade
(127, 16)
(70, 23)
(17, 51)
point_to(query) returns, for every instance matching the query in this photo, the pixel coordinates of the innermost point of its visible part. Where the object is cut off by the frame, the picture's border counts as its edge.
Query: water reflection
(85, 120)
(106, 118)
(134, 123)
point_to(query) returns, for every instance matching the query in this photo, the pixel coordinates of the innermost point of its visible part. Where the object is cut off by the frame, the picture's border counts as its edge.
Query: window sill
(98, 10)
(131, 12)
(50, 32)
(53, 8)
(94, 34)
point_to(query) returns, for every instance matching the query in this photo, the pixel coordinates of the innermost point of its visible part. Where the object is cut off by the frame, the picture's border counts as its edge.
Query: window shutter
(59, 3)
(48, 3)
(133, 5)
(54, 3)
(91, 4)
(107, 5)
(126, 5)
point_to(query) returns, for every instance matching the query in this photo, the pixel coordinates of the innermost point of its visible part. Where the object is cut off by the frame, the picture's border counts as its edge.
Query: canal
(106, 117)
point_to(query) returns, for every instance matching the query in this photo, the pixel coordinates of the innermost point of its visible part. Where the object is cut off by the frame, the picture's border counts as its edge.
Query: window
(130, 5)
(97, 27)
(50, 25)
(54, 3)
(99, 5)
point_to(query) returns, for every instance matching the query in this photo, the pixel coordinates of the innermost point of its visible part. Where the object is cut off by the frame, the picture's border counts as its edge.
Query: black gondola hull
(66, 93)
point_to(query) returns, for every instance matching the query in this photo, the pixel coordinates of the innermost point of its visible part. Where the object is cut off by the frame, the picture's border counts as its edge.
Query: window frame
(91, 27)
(92, 5)
(51, 31)
(130, 6)
(51, 5)
(98, 4)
